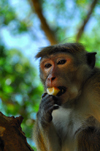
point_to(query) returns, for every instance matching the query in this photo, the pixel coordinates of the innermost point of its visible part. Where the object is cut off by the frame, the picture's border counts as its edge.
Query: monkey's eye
(47, 65)
(63, 61)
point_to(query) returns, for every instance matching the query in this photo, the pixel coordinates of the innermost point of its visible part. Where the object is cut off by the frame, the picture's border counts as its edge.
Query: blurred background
(25, 27)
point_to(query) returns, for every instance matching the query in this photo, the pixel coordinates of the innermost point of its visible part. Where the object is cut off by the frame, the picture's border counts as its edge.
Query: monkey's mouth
(62, 90)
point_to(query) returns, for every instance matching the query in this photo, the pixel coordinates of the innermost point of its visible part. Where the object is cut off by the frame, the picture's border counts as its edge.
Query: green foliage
(4, 15)
(8, 17)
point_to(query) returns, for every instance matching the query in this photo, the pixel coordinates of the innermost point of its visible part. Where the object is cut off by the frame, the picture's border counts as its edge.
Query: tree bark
(46, 28)
(81, 29)
(11, 136)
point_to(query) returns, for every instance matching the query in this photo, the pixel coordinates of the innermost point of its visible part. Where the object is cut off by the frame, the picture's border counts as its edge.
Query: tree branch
(48, 32)
(12, 137)
(81, 29)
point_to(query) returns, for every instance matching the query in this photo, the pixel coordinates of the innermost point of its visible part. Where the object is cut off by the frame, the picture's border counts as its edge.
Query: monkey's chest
(66, 127)
(65, 123)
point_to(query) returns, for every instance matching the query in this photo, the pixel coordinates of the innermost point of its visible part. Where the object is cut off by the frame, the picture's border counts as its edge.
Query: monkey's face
(60, 70)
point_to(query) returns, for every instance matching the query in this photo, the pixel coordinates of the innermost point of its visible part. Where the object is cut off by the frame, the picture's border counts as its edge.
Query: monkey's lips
(62, 90)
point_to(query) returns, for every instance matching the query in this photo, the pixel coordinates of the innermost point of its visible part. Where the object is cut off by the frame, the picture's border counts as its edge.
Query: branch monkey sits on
(69, 114)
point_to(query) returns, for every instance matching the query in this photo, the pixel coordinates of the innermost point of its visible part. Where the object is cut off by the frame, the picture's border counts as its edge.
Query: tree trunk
(11, 136)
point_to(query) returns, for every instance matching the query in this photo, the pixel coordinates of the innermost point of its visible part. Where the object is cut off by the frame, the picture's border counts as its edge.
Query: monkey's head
(66, 67)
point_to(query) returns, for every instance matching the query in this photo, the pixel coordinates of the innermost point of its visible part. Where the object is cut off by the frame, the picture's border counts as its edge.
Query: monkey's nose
(51, 79)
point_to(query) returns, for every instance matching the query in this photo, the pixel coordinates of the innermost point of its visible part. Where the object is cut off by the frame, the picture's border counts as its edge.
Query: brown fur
(68, 48)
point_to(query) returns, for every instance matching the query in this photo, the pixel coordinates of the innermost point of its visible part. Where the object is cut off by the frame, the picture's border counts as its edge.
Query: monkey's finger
(56, 100)
(44, 94)
(55, 107)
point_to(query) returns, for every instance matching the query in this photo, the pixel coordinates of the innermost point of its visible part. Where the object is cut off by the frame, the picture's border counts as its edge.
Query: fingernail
(44, 94)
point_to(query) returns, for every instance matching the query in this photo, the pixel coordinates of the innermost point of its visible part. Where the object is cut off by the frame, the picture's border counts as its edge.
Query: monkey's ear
(91, 59)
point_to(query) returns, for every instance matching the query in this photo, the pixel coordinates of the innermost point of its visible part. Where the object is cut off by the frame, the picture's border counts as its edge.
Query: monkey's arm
(91, 97)
(44, 132)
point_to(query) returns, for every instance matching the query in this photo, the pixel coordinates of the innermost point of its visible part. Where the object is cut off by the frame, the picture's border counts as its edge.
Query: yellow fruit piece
(53, 91)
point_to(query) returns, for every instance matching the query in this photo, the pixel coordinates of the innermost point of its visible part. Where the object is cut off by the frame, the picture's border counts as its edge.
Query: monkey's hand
(47, 105)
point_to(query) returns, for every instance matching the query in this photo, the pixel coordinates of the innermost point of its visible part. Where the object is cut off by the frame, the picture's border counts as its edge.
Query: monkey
(69, 121)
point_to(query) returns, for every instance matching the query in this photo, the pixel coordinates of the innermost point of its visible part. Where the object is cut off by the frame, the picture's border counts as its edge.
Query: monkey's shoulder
(93, 82)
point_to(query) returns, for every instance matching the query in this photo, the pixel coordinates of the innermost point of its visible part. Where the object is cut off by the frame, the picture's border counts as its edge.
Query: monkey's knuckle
(51, 99)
